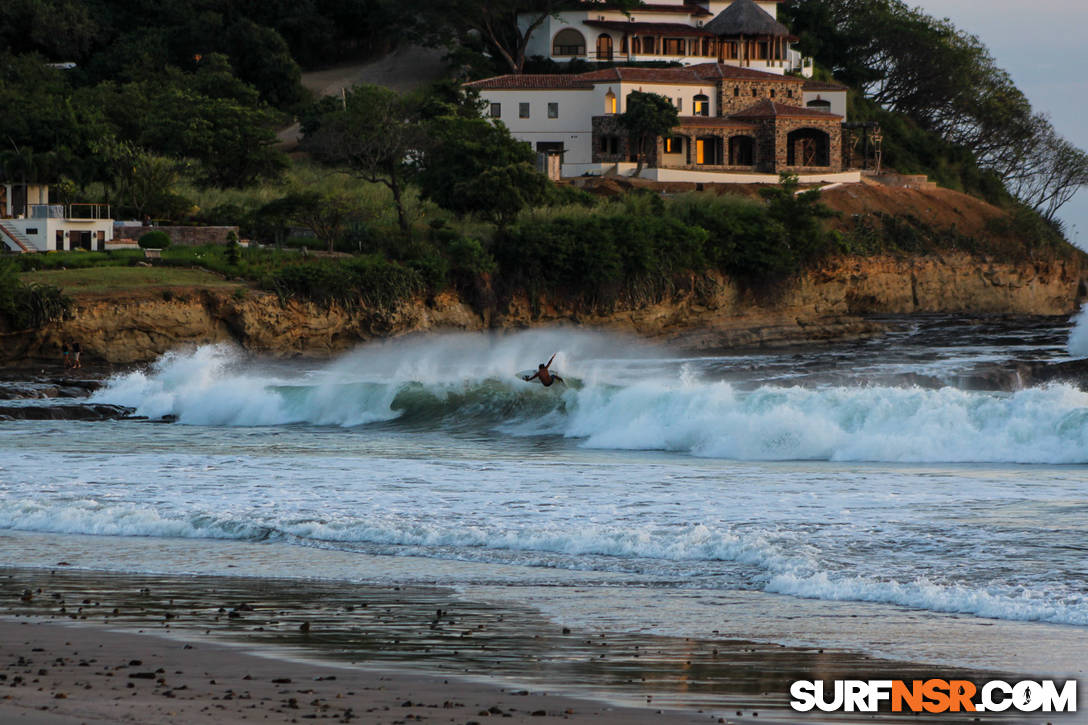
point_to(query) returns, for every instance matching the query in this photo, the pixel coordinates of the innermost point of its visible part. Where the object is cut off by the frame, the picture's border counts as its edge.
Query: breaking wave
(613, 402)
(1078, 336)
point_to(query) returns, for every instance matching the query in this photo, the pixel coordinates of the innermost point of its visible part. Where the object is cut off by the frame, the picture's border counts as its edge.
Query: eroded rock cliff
(827, 303)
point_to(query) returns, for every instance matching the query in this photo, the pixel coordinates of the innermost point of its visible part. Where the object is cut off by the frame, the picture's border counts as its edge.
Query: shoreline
(386, 645)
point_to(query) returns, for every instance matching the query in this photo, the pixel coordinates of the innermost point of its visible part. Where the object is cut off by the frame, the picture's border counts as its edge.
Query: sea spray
(1078, 336)
(463, 383)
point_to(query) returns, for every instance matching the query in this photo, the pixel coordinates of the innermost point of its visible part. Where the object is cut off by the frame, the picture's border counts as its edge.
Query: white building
(744, 33)
(29, 223)
(733, 122)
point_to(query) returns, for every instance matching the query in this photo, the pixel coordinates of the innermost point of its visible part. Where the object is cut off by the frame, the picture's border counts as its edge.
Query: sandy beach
(61, 674)
(95, 647)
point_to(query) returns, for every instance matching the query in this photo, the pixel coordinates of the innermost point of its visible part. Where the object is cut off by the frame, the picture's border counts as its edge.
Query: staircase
(14, 239)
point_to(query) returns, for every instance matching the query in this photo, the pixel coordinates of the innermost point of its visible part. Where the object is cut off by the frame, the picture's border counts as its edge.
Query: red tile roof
(531, 82)
(824, 86)
(711, 122)
(716, 71)
(667, 29)
(686, 9)
(770, 109)
(701, 74)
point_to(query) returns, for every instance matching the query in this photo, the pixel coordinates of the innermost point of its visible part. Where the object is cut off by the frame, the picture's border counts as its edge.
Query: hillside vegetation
(172, 110)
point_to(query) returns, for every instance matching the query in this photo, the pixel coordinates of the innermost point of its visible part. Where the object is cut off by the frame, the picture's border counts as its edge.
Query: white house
(29, 223)
(744, 33)
(734, 122)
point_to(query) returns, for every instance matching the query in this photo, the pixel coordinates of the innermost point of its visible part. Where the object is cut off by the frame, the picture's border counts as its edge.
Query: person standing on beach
(64, 353)
(76, 350)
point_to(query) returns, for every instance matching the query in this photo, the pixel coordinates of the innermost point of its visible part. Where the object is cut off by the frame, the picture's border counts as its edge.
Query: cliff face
(824, 304)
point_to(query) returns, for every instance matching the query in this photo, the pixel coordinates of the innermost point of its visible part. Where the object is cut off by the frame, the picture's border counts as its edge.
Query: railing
(72, 211)
(46, 211)
(569, 50)
(89, 211)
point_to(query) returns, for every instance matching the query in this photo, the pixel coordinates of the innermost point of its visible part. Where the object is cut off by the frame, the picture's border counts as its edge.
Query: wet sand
(108, 648)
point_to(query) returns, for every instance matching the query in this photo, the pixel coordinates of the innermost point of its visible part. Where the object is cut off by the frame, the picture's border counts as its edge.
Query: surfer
(545, 377)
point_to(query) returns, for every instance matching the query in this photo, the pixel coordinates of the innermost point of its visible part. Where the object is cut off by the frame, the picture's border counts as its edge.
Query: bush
(370, 280)
(30, 306)
(156, 239)
(599, 257)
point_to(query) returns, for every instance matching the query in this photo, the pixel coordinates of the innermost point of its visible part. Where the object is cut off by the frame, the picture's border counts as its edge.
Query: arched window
(604, 47)
(569, 41)
(701, 105)
(610, 102)
(808, 147)
(820, 105)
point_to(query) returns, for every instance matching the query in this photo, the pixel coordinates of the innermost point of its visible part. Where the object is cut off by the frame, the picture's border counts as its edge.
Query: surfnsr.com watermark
(934, 696)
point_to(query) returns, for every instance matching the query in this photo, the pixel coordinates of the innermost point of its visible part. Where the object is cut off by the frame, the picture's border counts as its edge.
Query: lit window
(553, 110)
(673, 144)
(523, 110)
(701, 105)
(496, 110)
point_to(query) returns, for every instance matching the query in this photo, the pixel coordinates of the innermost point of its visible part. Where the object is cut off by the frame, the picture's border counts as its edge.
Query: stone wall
(736, 95)
(783, 127)
(181, 236)
(610, 126)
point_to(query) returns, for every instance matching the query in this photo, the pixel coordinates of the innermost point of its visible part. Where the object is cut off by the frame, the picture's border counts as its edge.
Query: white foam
(213, 386)
(1078, 336)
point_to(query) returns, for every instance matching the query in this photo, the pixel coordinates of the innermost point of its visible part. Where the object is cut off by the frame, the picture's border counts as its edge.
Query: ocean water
(862, 495)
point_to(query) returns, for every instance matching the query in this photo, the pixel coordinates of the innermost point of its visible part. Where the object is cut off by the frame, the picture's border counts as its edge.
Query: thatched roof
(746, 18)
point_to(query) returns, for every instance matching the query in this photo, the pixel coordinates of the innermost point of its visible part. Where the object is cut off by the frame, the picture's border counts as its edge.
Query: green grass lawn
(113, 279)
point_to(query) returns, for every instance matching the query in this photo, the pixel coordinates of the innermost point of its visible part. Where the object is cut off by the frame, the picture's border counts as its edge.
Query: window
(604, 47)
(755, 92)
(523, 110)
(789, 93)
(736, 91)
(610, 102)
(674, 144)
(569, 41)
(553, 110)
(496, 110)
(31, 231)
(679, 104)
(610, 145)
(672, 46)
(701, 105)
(772, 93)
(820, 105)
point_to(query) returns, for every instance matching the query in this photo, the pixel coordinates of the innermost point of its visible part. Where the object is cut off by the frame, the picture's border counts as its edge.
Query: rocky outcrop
(826, 303)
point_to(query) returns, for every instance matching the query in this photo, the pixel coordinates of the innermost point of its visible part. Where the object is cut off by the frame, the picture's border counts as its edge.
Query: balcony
(71, 211)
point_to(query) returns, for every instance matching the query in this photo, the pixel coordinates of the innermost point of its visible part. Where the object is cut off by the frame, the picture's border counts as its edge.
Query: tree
(648, 116)
(471, 165)
(376, 135)
(1047, 172)
(496, 22)
(501, 192)
(326, 215)
(144, 183)
(946, 81)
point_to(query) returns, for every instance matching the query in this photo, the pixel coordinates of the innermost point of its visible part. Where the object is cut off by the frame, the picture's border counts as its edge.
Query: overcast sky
(1041, 44)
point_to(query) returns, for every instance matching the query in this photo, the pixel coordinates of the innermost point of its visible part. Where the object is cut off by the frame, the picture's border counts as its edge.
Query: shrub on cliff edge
(156, 239)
